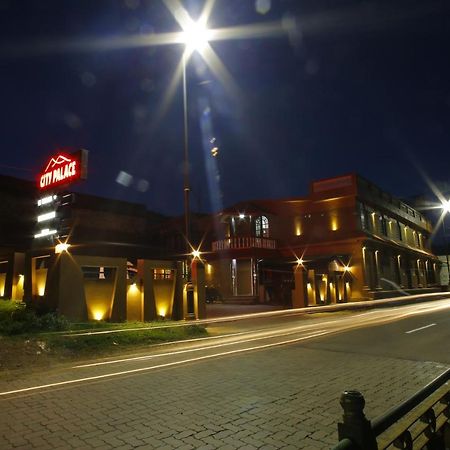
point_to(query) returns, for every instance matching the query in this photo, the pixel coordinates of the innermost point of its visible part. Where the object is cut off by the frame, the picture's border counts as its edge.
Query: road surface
(271, 382)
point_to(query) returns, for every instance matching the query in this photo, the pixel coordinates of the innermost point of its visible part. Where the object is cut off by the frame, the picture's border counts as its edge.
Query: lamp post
(445, 211)
(195, 38)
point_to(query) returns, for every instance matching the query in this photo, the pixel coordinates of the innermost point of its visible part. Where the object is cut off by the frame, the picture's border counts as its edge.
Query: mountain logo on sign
(58, 161)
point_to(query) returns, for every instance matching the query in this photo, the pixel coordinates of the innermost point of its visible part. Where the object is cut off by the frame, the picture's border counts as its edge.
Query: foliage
(124, 339)
(30, 338)
(17, 318)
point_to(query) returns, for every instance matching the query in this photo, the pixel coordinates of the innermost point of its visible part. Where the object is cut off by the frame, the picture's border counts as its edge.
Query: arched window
(262, 227)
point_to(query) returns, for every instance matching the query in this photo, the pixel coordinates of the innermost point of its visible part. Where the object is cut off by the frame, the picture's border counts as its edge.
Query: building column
(299, 297)
(119, 307)
(198, 278)
(311, 288)
(148, 276)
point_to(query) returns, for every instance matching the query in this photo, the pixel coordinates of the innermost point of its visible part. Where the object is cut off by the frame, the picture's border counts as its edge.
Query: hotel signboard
(63, 169)
(54, 204)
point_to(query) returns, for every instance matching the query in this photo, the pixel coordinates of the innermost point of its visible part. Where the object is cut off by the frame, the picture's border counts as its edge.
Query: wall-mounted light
(61, 247)
(196, 253)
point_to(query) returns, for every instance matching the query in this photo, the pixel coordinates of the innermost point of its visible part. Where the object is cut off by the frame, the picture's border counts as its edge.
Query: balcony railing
(243, 242)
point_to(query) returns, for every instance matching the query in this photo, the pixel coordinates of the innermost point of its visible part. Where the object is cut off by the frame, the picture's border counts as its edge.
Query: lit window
(163, 274)
(262, 227)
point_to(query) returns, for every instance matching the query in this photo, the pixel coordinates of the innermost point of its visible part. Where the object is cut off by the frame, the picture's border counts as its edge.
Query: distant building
(346, 241)
(104, 259)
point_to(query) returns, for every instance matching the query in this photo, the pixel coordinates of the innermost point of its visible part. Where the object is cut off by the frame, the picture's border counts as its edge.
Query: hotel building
(348, 240)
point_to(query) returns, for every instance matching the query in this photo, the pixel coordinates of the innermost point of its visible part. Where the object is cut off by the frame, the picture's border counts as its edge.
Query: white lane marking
(160, 366)
(421, 328)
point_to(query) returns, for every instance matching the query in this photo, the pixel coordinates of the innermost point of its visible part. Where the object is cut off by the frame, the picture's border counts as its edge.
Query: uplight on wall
(41, 289)
(98, 314)
(134, 288)
(334, 222)
(298, 227)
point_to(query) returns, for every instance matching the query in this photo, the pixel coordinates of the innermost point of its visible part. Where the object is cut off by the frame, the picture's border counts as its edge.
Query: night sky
(351, 86)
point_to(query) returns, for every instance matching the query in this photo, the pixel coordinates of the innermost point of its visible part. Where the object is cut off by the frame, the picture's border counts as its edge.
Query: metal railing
(243, 242)
(422, 421)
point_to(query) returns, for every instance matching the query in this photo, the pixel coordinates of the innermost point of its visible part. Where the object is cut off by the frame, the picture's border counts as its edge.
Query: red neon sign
(62, 169)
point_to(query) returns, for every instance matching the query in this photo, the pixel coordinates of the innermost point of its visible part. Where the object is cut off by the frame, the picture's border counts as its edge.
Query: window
(163, 274)
(399, 227)
(363, 217)
(262, 227)
(98, 272)
(383, 225)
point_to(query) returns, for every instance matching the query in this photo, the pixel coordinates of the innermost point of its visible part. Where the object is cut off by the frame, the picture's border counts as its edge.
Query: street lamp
(195, 38)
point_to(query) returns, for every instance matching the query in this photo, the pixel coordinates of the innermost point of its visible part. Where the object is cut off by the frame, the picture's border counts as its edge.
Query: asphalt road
(270, 382)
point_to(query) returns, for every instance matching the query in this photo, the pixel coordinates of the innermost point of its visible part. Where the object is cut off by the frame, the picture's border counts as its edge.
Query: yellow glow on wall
(40, 281)
(298, 226)
(134, 302)
(100, 295)
(347, 289)
(209, 269)
(334, 223)
(17, 293)
(323, 287)
(2, 284)
(98, 314)
(164, 292)
(133, 288)
(41, 289)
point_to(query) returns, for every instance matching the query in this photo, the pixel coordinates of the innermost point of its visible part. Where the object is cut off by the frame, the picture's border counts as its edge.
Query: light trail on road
(244, 341)
(159, 366)
(264, 334)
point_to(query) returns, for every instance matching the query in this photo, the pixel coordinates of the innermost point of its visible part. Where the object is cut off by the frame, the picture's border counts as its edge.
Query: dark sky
(354, 86)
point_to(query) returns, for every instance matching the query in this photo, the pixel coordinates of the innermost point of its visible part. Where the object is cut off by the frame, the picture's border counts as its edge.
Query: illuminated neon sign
(63, 169)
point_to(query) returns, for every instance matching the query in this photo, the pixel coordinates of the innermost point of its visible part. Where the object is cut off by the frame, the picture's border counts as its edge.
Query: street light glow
(446, 206)
(196, 36)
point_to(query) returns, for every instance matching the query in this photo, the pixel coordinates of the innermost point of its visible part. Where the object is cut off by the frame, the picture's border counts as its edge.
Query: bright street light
(446, 206)
(196, 36)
